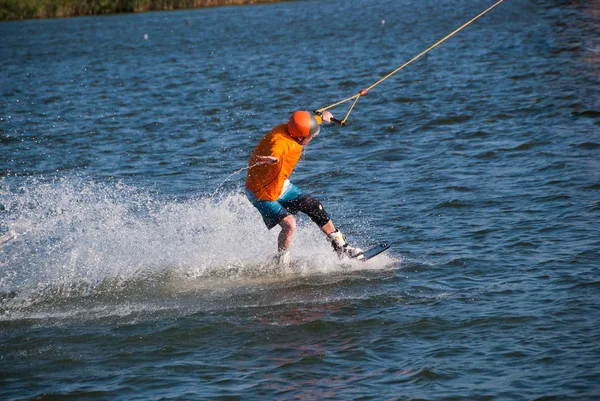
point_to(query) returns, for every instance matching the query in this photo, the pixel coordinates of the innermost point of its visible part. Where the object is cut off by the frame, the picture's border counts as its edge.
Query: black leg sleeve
(309, 206)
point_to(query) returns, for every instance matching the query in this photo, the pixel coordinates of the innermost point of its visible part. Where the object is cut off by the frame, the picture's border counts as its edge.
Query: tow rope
(364, 91)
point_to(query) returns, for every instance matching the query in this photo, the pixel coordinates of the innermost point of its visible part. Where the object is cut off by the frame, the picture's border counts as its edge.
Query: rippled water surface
(133, 267)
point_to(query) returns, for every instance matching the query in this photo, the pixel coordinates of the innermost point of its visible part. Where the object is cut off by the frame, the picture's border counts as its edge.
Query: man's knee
(288, 223)
(314, 209)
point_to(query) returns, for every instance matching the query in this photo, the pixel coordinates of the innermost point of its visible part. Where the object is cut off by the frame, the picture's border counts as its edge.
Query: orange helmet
(302, 124)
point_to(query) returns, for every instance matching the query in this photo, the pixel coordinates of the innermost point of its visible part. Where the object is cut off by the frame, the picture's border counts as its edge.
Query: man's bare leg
(328, 228)
(288, 228)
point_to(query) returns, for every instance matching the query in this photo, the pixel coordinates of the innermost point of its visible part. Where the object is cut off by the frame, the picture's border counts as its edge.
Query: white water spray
(73, 233)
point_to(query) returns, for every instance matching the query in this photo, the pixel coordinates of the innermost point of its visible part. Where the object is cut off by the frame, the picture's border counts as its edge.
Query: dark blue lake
(132, 266)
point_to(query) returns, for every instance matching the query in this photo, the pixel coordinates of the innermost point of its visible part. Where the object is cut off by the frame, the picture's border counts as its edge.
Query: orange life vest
(266, 180)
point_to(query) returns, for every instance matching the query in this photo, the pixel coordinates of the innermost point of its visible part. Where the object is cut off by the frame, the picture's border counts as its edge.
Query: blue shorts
(274, 211)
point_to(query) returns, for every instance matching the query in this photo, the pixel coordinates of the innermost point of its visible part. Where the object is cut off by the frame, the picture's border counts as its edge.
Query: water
(132, 266)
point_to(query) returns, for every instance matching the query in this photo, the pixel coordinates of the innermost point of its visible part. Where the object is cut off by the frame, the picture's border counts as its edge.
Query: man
(275, 197)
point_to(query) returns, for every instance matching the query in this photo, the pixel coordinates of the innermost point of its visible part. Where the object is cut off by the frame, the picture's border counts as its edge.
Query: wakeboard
(376, 250)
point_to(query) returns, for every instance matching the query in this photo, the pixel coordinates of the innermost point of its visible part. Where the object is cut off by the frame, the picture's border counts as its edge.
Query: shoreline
(21, 10)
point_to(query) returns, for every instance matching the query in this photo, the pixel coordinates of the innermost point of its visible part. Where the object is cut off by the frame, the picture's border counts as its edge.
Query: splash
(72, 237)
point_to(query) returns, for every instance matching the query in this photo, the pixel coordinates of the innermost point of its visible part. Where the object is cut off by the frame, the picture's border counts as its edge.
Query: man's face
(305, 140)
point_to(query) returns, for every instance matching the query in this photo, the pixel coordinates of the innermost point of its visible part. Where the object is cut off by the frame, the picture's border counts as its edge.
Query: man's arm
(266, 160)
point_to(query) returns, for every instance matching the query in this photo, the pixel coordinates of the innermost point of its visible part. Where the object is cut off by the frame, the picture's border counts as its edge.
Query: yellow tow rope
(363, 92)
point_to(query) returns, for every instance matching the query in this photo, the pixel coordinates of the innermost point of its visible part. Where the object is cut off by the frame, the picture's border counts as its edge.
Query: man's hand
(266, 160)
(327, 116)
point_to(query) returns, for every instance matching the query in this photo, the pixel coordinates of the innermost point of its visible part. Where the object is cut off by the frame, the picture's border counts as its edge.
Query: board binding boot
(283, 258)
(342, 248)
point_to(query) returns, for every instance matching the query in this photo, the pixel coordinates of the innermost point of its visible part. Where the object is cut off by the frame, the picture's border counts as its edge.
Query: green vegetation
(29, 9)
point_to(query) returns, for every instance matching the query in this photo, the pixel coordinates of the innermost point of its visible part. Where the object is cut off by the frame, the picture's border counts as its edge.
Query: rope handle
(333, 119)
